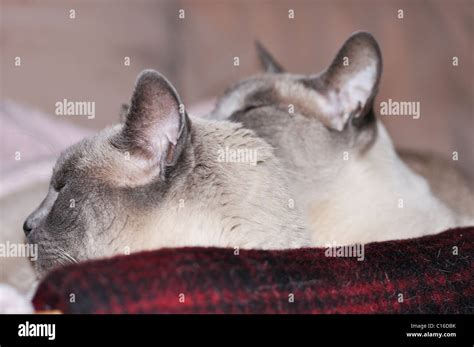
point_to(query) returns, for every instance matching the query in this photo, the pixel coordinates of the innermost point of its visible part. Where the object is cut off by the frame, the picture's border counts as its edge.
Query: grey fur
(136, 187)
(333, 116)
(308, 145)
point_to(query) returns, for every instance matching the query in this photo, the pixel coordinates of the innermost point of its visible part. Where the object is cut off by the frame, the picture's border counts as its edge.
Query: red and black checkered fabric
(422, 275)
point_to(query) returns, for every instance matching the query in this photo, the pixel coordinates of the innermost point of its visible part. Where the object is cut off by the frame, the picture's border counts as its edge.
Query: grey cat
(350, 182)
(160, 180)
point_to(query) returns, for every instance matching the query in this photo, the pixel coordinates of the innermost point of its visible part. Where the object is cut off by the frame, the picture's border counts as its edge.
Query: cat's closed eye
(58, 186)
(248, 108)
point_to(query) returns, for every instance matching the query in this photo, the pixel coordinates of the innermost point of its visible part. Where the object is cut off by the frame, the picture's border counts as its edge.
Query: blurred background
(82, 59)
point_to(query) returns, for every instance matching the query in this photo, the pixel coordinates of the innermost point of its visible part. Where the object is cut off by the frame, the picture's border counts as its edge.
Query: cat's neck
(219, 199)
(377, 197)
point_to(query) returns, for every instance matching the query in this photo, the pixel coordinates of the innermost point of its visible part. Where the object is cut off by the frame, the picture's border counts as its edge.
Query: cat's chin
(41, 271)
(43, 267)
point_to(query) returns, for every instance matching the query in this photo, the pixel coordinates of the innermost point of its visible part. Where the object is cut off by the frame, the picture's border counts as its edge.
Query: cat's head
(105, 186)
(323, 113)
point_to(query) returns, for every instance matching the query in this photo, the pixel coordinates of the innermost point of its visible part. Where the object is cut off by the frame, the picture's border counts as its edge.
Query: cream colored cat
(160, 180)
(344, 171)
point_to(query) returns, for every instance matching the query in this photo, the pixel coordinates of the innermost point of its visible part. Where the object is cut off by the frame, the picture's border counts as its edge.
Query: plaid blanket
(432, 274)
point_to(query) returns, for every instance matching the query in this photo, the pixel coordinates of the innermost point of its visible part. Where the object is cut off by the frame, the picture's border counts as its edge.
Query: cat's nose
(27, 227)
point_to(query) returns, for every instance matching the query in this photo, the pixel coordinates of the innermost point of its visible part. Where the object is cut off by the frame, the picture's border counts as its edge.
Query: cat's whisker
(64, 256)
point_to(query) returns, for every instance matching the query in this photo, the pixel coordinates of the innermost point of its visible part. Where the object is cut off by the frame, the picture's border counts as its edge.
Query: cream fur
(361, 204)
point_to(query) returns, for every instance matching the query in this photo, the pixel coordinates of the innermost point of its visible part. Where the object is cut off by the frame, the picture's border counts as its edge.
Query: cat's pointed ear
(267, 61)
(156, 124)
(348, 87)
(123, 112)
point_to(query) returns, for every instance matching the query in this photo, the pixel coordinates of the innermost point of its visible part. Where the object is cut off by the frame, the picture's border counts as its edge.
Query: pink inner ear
(348, 94)
(154, 122)
(160, 136)
(358, 88)
(169, 118)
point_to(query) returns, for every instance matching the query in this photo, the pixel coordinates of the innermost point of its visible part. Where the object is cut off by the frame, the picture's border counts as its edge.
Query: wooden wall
(82, 59)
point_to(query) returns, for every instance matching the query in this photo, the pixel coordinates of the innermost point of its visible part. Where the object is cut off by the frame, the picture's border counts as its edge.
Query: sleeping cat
(160, 180)
(346, 176)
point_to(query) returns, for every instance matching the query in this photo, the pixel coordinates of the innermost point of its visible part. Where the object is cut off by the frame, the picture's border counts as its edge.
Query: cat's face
(319, 116)
(103, 188)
